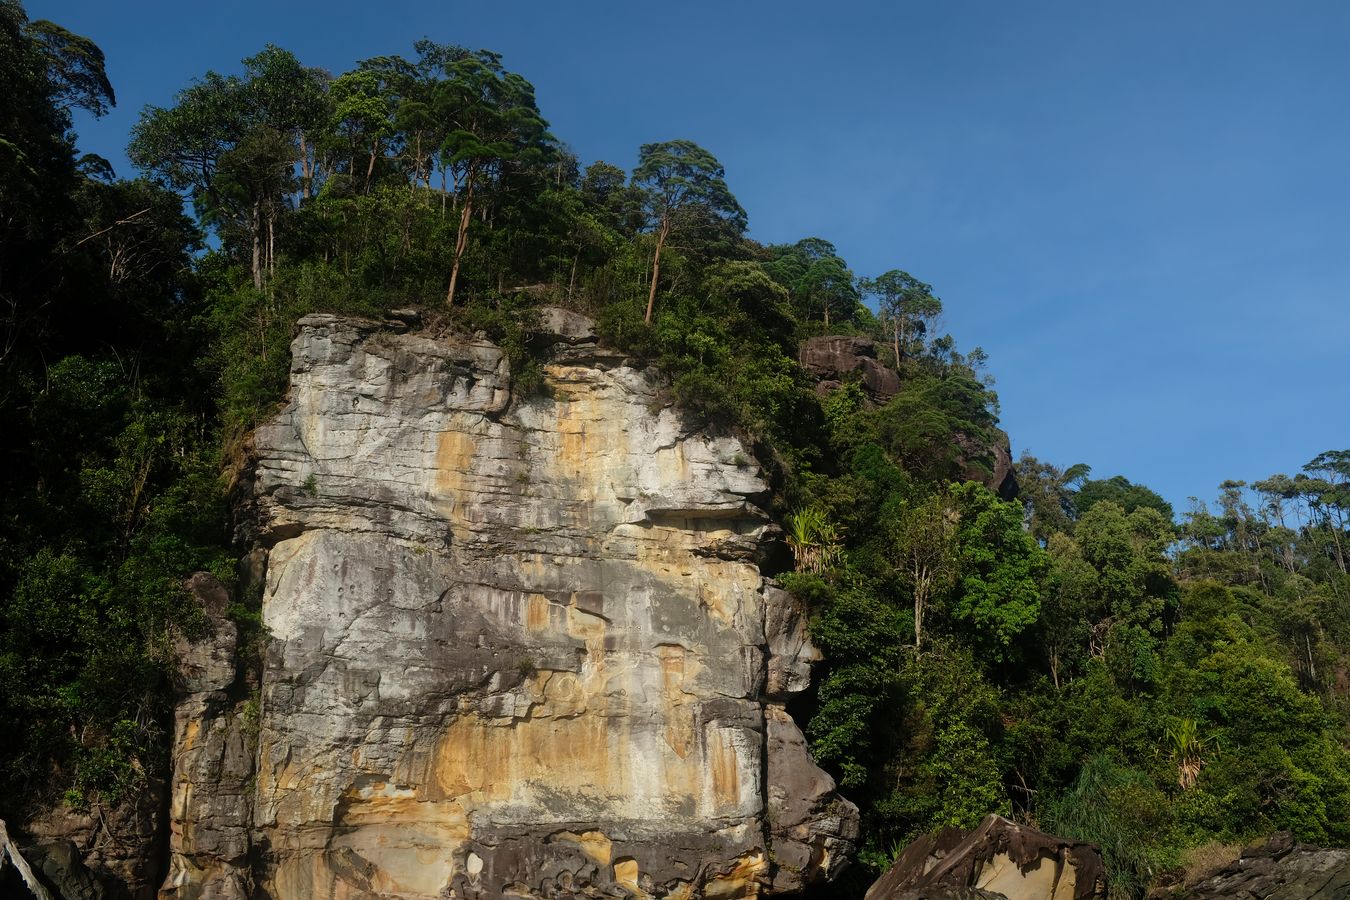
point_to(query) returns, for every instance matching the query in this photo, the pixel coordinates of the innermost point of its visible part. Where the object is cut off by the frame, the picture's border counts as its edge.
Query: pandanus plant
(816, 542)
(1186, 745)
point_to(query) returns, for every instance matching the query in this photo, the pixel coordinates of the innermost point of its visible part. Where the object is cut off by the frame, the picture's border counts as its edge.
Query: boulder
(998, 859)
(990, 464)
(835, 358)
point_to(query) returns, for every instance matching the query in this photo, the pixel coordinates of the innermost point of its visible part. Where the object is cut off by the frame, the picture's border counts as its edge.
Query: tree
(37, 171)
(828, 285)
(680, 182)
(1121, 491)
(1067, 602)
(926, 542)
(819, 280)
(76, 69)
(1331, 496)
(495, 124)
(362, 113)
(233, 145)
(1048, 492)
(907, 305)
(293, 100)
(1001, 568)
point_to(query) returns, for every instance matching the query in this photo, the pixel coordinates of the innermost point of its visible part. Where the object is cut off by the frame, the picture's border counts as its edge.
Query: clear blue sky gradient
(1141, 211)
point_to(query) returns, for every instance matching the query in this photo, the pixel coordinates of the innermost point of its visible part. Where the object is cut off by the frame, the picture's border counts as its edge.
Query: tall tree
(76, 69)
(820, 282)
(363, 116)
(233, 145)
(681, 182)
(907, 305)
(928, 562)
(828, 285)
(496, 124)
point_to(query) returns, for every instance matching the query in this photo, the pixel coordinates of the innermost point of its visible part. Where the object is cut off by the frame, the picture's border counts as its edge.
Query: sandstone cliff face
(516, 648)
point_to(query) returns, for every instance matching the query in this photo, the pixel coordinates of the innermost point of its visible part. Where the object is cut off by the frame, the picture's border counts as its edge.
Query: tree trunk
(921, 580)
(306, 169)
(656, 268)
(7, 849)
(256, 221)
(461, 241)
(1335, 529)
(370, 167)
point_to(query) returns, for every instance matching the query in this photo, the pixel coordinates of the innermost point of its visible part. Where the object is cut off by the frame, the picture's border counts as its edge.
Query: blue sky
(1141, 211)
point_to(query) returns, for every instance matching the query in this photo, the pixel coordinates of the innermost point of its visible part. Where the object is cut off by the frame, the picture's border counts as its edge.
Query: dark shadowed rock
(835, 358)
(998, 859)
(117, 849)
(213, 769)
(991, 465)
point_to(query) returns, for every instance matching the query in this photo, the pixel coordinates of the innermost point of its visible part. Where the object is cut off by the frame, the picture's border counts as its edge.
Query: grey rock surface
(516, 647)
(1277, 869)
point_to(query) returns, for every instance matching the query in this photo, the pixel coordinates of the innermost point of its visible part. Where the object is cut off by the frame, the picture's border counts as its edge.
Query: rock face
(111, 851)
(516, 648)
(990, 464)
(1278, 869)
(210, 807)
(999, 859)
(833, 358)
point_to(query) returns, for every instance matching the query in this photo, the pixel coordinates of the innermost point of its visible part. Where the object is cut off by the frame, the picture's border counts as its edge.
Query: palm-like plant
(1186, 746)
(816, 542)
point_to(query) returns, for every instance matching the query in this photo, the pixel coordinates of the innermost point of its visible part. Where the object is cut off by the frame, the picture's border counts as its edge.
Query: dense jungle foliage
(1074, 658)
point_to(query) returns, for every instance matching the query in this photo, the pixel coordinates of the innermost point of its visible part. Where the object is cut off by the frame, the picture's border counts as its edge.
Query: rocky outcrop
(112, 850)
(213, 766)
(516, 648)
(833, 359)
(1277, 869)
(999, 859)
(991, 463)
(11, 858)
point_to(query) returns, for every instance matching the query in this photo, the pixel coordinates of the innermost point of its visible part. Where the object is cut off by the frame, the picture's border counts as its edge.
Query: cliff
(513, 647)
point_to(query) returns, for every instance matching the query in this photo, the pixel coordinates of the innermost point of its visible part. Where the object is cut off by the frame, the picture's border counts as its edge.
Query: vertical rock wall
(516, 649)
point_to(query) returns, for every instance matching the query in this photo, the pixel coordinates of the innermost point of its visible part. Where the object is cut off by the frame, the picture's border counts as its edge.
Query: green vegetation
(1074, 658)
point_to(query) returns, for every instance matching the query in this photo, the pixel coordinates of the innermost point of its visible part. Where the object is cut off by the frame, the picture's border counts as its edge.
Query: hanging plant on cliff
(816, 542)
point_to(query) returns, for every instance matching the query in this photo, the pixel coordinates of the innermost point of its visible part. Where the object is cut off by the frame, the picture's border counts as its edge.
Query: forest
(1082, 657)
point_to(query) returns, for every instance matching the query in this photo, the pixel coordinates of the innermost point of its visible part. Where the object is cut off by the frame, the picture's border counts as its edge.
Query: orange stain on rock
(725, 768)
